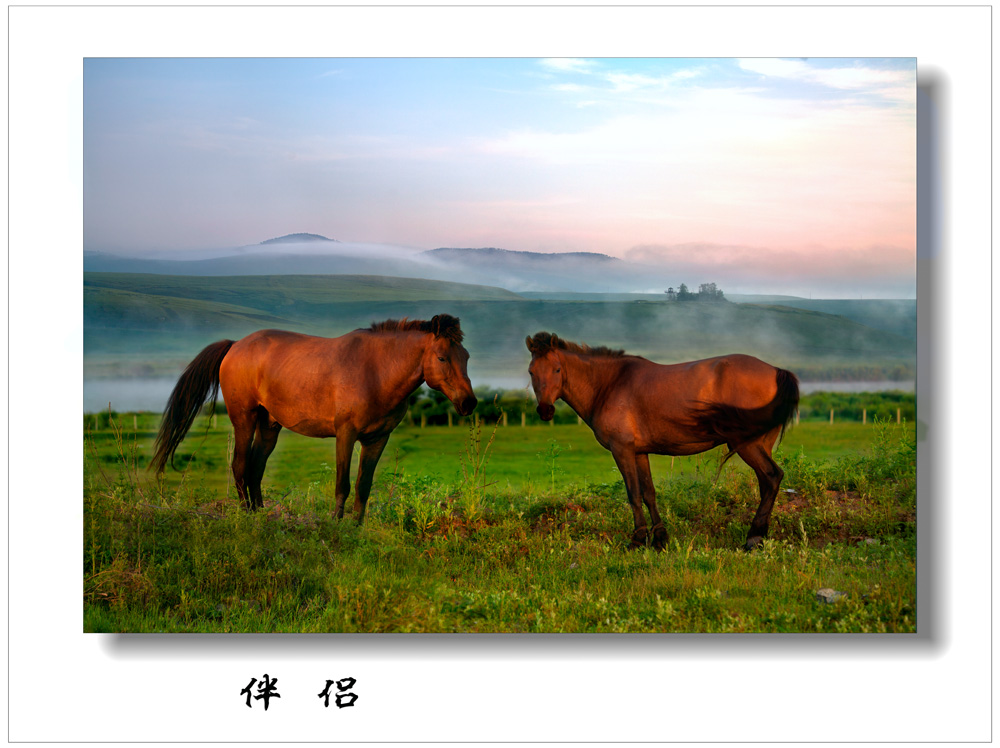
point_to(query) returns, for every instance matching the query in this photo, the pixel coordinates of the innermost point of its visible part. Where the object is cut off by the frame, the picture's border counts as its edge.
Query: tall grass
(475, 555)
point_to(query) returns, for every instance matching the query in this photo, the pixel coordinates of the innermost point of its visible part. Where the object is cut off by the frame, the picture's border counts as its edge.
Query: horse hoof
(660, 539)
(639, 540)
(752, 543)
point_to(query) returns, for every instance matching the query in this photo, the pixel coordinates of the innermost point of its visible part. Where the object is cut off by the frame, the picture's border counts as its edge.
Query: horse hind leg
(265, 439)
(757, 454)
(243, 430)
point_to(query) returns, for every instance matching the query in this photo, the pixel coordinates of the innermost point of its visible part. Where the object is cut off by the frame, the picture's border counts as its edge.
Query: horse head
(445, 364)
(545, 370)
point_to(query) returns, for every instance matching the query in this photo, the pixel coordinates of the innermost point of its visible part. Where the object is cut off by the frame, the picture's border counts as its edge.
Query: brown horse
(355, 388)
(637, 407)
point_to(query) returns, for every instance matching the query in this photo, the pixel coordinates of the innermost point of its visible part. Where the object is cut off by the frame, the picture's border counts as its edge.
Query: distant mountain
(538, 271)
(312, 254)
(494, 255)
(297, 238)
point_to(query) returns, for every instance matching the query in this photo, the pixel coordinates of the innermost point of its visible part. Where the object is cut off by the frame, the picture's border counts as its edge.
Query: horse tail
(199, 381)
(786, 401)
(729, 424)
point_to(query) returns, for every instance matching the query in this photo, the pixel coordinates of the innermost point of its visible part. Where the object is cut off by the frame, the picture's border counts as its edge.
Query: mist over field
(647, 269)
(516, 271)
(140, 330)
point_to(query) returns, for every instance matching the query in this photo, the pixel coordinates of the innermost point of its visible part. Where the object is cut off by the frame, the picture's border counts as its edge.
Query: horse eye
(558, 370)
(440, 358)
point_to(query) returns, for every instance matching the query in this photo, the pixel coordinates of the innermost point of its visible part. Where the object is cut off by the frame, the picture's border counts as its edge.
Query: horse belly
(319, 428)
(680, 449)
(299, 404)
(660, 430)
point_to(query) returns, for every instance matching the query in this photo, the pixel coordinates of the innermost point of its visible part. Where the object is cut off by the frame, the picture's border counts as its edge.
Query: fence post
(831, 416)
(579, 421)
(423, 420)
(505, 418)
(864, 415)
(449, 419)
(524, 419)
(899, 415)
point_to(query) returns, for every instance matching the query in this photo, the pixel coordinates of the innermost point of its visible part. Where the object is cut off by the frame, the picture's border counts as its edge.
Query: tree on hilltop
(709, 292)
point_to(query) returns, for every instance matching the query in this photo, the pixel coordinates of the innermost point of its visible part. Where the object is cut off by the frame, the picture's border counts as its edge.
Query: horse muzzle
(468, 405)
(546, 411)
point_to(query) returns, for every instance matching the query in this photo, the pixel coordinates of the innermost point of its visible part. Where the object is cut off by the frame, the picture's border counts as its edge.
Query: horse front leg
(649, 499)
(370, 454)
(345, 450)
(626, 461)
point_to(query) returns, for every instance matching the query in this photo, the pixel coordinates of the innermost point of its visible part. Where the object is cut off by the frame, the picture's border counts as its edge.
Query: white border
(67, 686)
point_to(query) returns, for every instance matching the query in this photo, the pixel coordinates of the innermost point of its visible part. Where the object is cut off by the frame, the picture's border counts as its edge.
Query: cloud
(613, 81)
(853, 78)
(568, 64)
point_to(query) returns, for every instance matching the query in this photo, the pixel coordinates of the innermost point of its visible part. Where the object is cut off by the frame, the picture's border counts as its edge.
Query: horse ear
(530, 343)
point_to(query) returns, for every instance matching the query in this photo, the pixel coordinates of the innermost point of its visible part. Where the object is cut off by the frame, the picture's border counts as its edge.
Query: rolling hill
(154, 323)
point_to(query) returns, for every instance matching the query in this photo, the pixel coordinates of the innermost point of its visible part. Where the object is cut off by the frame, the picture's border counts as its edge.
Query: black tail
(199, 381)
(728, 424)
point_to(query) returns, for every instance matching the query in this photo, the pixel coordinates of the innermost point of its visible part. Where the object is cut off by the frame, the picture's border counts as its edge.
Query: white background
(68, 686)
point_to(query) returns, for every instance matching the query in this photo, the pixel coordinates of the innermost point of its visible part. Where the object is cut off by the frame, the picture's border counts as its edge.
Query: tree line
(706, 292)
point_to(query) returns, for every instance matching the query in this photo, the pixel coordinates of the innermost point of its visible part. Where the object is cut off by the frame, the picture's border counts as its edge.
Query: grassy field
(504, 529)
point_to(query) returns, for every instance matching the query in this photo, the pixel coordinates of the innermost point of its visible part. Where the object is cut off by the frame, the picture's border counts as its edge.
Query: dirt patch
(560, 518)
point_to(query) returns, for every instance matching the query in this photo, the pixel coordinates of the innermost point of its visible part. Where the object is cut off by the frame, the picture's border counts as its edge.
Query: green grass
(517, 529)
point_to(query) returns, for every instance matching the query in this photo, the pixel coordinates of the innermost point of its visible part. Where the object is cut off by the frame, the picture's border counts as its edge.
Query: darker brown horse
(355, 388)
(637, 407)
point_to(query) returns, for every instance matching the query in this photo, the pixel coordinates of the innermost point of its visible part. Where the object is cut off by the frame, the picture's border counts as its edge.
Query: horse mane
(543, 342)
(441, 325)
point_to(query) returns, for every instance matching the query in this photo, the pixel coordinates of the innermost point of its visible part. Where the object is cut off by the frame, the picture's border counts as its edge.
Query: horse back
(301, 380)
(737, 380)
(690, 407)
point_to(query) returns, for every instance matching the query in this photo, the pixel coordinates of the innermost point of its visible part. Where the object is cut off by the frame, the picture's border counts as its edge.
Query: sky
(787, 175)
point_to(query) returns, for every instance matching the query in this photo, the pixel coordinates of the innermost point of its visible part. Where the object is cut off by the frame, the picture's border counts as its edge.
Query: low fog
(877, 273)
(495, 330)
